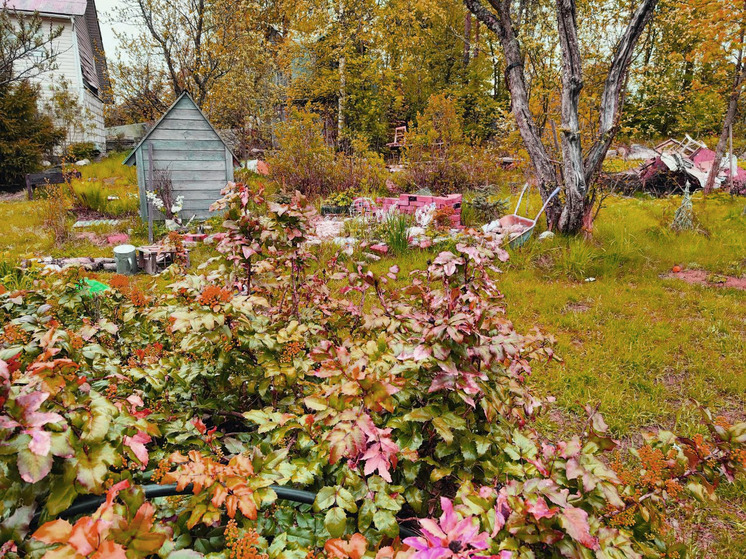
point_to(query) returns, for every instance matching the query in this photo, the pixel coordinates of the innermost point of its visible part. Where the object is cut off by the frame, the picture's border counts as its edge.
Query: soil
(701, 277)
(86, 214)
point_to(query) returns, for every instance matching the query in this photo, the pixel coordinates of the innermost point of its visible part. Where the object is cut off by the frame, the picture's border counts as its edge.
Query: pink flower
(451, 537)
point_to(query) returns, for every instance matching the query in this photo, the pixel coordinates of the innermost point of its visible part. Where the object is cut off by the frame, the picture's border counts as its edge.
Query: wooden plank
(229, 164)
(189, 165)
(213, 144)
(185, 114)
(190, 135)
(199, 186)
(141, 184)
(187, 155)
(178, 124)
(182, 175)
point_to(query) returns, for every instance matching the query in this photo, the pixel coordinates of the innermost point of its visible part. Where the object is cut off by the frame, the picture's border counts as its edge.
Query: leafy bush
(387, 402)
(439, 156)
(56, 205)
(83, 150)
(25, 135)
(306, 163)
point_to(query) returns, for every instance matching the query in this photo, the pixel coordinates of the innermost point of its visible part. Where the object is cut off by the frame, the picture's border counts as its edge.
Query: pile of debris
(675, 163)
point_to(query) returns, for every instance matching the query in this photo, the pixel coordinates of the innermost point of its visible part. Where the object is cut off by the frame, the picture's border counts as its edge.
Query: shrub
(83, 150)
(25, 135)
(56, 205)
(306, 163)
(387, 403)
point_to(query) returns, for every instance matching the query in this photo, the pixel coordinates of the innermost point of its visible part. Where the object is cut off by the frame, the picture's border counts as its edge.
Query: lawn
(638, 344)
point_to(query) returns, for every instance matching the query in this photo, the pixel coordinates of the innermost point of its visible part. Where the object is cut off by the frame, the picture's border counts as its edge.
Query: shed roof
(131, 157)
(62, 7)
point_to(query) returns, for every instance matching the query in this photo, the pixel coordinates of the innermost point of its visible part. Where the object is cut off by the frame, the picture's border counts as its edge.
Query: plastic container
(125, 259)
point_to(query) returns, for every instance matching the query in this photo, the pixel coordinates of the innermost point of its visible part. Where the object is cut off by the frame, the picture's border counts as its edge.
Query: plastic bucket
(124, 255)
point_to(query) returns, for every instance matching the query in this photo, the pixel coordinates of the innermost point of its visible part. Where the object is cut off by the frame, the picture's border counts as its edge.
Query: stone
(83, 162)
(546, 235)
(380, 248)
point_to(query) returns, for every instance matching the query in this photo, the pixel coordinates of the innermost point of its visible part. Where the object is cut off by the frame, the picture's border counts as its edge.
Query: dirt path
(700, 277)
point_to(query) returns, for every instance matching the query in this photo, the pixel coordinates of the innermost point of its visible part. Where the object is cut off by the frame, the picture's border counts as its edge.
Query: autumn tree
(577, 171)
(192, 39)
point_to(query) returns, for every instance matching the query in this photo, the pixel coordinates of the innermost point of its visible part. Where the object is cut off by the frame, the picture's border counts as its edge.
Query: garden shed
(186, 148)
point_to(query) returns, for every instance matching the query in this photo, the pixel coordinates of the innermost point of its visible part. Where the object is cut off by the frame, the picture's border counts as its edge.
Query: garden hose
(153, 491)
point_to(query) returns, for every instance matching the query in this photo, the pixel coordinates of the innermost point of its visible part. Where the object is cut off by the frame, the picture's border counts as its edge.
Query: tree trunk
(730, 115)
(578, 174)
(467, 39)
(571, 218)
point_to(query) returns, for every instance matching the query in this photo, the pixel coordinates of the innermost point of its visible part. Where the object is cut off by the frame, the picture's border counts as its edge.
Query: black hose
(153, 491)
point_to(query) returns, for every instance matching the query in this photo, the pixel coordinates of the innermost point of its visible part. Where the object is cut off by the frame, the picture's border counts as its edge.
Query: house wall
(185, 145)
(68, 69)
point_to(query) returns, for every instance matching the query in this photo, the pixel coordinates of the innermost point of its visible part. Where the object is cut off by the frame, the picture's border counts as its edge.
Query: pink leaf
(137, 444)
(41, 441)
(575, 523)
(540, 509)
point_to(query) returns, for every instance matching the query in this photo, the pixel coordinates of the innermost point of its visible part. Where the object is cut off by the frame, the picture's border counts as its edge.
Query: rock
(118, 239)
(546, 235)
(46, 163)
(611, 154)
(380, 248)
(426, 243)
(415, 231)
(83, 162)
(371, 257)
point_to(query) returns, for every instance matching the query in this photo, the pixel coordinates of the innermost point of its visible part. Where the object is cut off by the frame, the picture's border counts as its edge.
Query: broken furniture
(55, 175)
(153, 259)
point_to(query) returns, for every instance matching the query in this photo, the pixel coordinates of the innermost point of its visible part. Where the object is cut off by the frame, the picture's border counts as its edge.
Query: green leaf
(336, 522)
(385, 522)
(346, 500)
(442, 428)
(33, 467)
(93, 466)
(324, 498)
(62, 491)
(97, 425)
(365, 516)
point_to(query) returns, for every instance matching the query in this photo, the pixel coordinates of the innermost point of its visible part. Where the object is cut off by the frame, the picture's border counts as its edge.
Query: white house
(80, 61)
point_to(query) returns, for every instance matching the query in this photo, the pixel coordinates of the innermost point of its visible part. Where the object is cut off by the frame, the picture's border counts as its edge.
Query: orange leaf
(56, 531)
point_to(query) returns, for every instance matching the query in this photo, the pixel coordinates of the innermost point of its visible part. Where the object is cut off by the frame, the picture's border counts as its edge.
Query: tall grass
(104, 179)
(393, 228)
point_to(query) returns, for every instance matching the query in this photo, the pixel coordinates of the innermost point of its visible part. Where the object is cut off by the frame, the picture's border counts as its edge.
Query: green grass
(639, 345)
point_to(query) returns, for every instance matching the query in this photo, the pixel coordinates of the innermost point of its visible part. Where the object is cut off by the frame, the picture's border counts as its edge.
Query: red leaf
(575, 523)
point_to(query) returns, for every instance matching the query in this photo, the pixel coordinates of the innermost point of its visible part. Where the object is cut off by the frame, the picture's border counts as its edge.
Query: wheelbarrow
(518, 239)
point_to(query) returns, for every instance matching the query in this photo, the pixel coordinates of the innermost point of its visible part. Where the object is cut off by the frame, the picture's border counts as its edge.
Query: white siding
(67, 68)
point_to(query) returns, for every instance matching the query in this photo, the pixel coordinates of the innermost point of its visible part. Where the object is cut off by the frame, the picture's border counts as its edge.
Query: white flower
(178, 205)
(154, 199)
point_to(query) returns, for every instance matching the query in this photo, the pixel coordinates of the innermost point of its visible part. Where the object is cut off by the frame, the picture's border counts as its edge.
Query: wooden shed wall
(185, 144)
